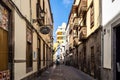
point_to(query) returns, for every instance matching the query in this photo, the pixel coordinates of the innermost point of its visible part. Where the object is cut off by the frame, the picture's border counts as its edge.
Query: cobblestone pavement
(63, 72)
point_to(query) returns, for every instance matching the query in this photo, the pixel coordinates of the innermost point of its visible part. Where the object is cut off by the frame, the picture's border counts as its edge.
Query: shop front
(4, 42)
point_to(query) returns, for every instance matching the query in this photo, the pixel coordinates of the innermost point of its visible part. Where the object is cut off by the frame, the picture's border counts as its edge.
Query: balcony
(75, 42)
(40, 15)
(83, 33)
(76, 22)
(75, 38)
(74, 8)
(82, 7)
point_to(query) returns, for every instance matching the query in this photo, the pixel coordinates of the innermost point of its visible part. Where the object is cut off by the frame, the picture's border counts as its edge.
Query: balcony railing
(76, 21)
(40, 17)
(74, 8)
(76, 42)
(83, 33)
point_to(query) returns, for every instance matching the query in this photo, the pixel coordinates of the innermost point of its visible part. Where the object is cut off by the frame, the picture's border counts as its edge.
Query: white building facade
(61, 40)
(110, 44)
(67, 44)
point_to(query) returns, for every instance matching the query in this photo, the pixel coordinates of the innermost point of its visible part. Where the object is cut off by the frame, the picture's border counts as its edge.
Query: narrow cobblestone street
(63, 72)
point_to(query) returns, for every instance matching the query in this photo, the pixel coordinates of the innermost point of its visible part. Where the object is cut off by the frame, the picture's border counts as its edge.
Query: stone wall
(93, 54)
(92, 45)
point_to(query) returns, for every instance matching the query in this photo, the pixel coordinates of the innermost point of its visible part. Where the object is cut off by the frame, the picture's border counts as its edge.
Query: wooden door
(3, 49)
(39, 54)
(29, 55)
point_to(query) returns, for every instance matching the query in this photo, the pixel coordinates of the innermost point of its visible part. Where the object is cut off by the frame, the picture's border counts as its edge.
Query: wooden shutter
(92, 15)
(3, 49)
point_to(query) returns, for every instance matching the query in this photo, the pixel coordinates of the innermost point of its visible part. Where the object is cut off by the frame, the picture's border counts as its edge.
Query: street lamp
(40, 16)
(44, 29)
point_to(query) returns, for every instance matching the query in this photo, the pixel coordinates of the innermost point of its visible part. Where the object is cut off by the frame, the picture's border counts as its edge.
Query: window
(92, 15)
(84, 21)
(29, 51)
(42, 3)
(59, 33)
(92, 61)
(39, 53)
(60, 38)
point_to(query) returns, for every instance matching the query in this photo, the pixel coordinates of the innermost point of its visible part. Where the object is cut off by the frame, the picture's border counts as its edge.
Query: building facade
(110, 36)
(66, 59)
(70, 55)
(26, 51)
(85, 36)
(6, 40)
(60, 33)
(61, 40)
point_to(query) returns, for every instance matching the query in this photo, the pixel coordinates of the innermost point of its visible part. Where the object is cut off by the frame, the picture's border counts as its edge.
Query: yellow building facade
(29, 52)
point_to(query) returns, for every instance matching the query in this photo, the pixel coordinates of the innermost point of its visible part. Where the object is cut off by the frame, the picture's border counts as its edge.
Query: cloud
(67, 2)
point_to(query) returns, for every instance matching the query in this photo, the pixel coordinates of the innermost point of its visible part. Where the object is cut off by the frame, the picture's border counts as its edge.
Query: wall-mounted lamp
(40, 17)
(44, 29)
(42, 13)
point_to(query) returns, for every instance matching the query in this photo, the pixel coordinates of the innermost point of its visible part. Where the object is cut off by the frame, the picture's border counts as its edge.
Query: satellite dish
(45, 30)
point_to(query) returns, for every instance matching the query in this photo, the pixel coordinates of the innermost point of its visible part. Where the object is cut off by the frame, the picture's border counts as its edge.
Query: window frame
(5, 32)
(92, 15)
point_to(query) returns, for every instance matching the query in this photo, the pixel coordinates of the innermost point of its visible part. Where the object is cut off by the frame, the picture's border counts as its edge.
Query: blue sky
(61, 10)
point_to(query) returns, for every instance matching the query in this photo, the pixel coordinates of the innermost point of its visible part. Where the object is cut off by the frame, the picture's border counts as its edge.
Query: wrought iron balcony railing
(82, 7)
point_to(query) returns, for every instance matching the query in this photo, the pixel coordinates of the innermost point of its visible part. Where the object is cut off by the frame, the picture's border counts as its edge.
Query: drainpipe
(102, 38)
(102, 51)
(30, 12)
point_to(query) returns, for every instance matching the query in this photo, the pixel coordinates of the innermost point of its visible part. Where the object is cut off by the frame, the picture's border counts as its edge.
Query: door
(29, 56)
(39, 54)
(3, 50)
(4, 21)
(118, 53)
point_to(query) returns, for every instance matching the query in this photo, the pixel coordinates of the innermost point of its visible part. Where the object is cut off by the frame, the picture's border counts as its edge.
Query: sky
(61, 10)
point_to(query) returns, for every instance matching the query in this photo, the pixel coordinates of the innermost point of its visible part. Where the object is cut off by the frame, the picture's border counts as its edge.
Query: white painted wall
(67, 38)
(24, 7)
(107, 48)
(61, 29)
(20, 40)
(109, 12)
(35, 53)
(20, 46)
(20, 36)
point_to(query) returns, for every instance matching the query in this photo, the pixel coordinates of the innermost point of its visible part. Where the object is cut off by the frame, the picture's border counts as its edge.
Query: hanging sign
(45, 30)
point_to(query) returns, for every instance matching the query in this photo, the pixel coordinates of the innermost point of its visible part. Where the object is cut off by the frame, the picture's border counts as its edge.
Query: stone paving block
(63, 72)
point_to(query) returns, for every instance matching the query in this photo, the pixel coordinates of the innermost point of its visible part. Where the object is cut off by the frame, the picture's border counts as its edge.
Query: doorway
(118, 53)
(39, 53)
